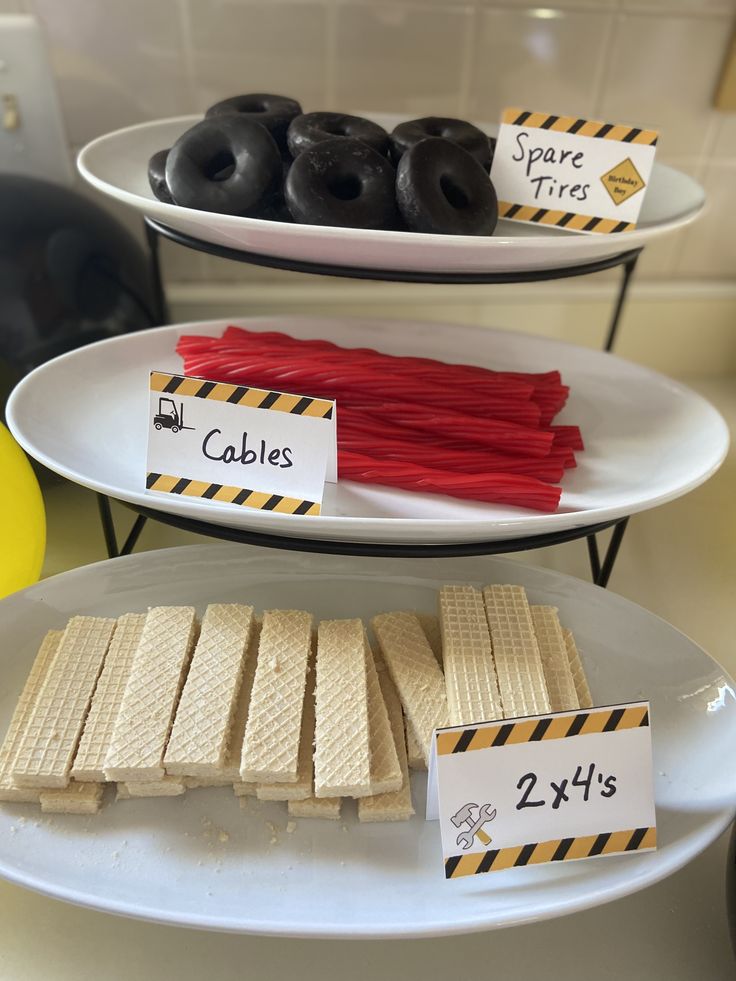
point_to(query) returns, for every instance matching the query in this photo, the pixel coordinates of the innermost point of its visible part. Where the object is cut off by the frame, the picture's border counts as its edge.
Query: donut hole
(346, 187)
(220, 167)
(435, 129)
(252, 106)
(454, 194)
(335, 129)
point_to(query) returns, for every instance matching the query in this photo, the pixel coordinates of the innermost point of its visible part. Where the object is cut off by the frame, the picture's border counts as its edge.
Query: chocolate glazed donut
(441, 188)
(226, 164)
(469, 137)
(342, 182)
(157, 176)
(316, 127)
(275, 112)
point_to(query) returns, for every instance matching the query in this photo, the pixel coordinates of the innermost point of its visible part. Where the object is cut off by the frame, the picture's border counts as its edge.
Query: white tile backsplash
(538, 63)
(709, 250)
(651, 62)
(662, 74)
(116, 63)
(400, 58)
(258, 47)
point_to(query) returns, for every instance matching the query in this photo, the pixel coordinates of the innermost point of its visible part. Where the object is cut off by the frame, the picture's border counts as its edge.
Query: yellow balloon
(22, 518)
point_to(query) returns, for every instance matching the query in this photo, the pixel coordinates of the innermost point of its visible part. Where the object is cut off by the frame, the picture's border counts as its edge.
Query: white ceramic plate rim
(662, 862)
(160, 210)
(338, 527)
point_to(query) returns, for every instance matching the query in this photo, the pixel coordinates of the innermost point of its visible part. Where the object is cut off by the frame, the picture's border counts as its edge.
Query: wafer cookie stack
(414, 752)
(231, 769)
(430, 624)
(519, 669)
(470, 674)
(415, 673)
(386, 772)
(273, 729)
(327, 808)
(342, 757)
(199, 735)
(89, 762)
(560, 683)
(21, 717)
(151, 695)
(302, 787)
(578, 673)
(76, 798)
(46, 751)
(395, 805)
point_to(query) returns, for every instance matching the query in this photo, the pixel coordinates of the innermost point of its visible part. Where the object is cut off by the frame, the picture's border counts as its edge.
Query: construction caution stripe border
(168, 484)
(563, 219)
(557, 850)
(610, 719)
(580, 127)
(255, 398)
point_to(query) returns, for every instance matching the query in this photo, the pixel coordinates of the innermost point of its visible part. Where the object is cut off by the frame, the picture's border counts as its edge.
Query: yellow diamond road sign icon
(623, 181)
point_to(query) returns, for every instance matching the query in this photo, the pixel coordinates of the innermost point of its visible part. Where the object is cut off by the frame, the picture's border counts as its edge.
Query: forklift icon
(169, 416)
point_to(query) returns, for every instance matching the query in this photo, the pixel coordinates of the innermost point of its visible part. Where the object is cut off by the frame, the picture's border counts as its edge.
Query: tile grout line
(612, 34)
(468, 63)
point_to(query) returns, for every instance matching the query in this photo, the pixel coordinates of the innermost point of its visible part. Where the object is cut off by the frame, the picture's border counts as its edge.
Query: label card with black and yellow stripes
(237, 445)
(548, 788)
(577, 174)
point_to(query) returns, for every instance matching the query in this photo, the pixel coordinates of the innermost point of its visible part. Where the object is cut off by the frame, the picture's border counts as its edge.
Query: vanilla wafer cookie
(195, 783)
(430, 624)
(21, 716)
(89, 761)
(386, 775)
(165, 787)
(147, 708)
(76, 798)
(413, 749)
(342, 755)
(245, 788)
(273, 729)
(395, 805)
(557, 673)
(415, 673)
(52, 732)
(199, 735)
(578, 672)
(302, 788)
(470, 674)
(519, 669)
(231, 767)
(327, 808)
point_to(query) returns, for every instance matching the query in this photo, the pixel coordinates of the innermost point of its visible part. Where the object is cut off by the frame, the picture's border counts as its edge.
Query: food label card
(238, 445)
(572, 173)
(544, 789)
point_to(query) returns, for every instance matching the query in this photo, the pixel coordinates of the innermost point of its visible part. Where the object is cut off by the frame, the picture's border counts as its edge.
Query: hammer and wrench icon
(474, 824)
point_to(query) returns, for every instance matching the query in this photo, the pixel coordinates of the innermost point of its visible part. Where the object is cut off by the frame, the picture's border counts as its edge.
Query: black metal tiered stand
(601, 568)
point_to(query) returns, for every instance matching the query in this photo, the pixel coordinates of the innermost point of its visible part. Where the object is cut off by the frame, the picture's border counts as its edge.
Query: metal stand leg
(629, 268)
(152, 238)
(108, 530)
(601, 573)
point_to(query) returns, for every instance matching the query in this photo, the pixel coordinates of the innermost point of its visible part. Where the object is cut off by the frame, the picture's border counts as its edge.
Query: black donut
(227, 164)
(342, 182)
(275, 112)
(441, 188)
(469, 137)
(157, 176)
(316, 127)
